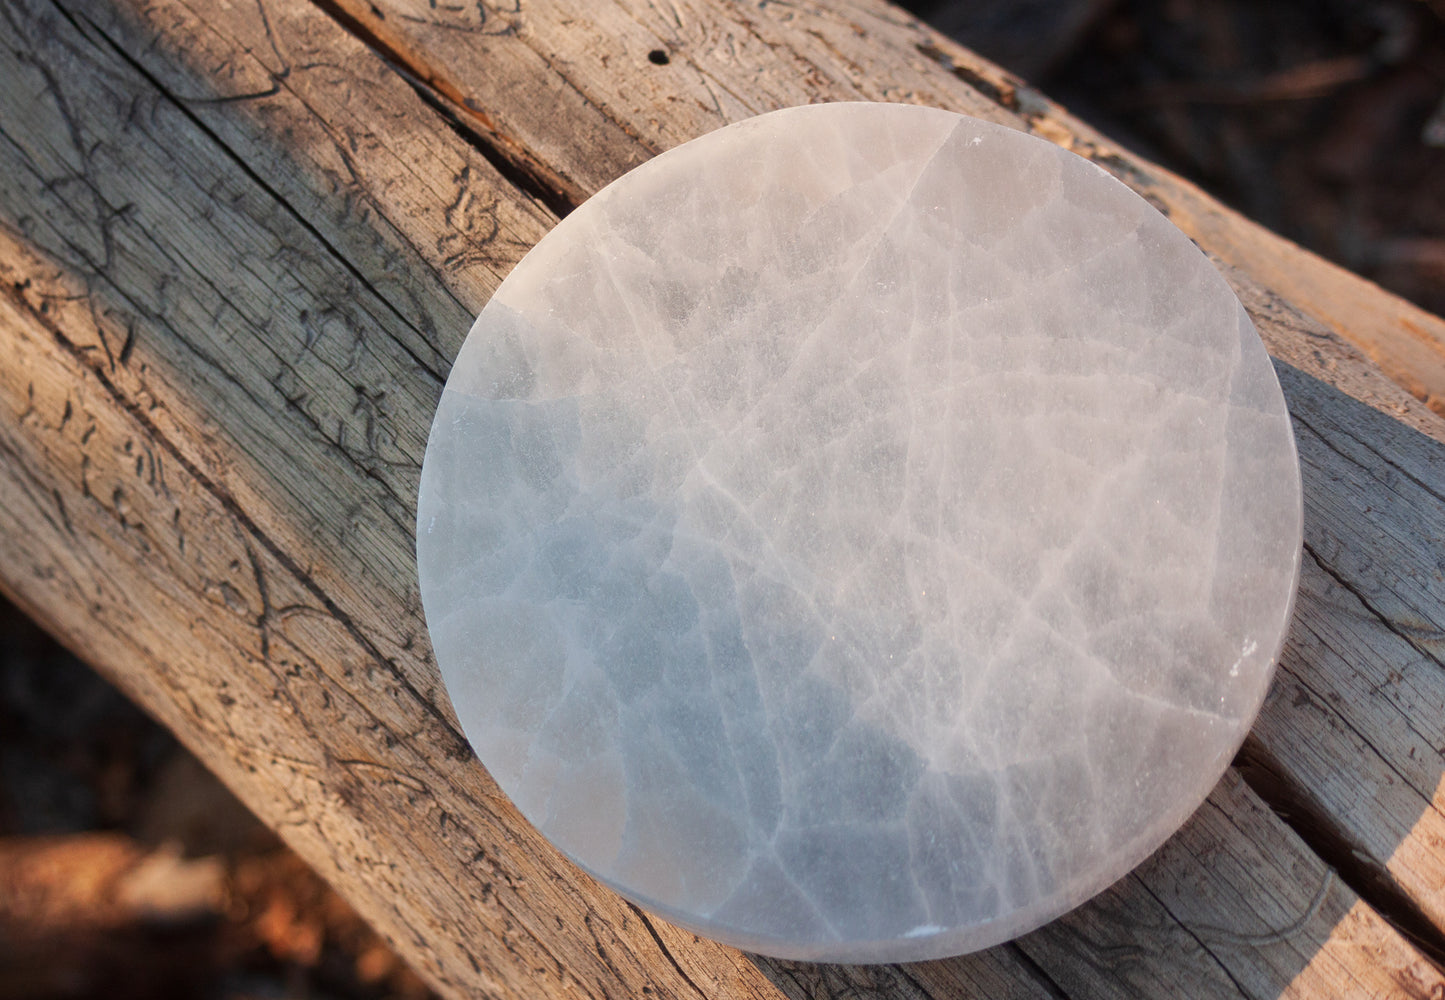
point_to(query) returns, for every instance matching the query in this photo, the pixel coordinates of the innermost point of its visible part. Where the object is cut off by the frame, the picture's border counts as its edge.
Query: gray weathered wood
(238, 252)
(570, 81)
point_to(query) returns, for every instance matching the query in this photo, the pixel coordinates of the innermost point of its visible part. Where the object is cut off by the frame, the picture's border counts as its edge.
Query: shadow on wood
(237, 252)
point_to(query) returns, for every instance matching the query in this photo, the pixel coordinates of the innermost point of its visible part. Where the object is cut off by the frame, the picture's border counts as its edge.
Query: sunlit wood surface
(239, 245)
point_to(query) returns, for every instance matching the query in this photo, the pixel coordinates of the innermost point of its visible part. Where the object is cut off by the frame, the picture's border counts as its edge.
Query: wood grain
(238, 251)
(1292, 336)
(604, 106)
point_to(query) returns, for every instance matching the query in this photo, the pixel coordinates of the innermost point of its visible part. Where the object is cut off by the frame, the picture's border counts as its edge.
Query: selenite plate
(862, 533)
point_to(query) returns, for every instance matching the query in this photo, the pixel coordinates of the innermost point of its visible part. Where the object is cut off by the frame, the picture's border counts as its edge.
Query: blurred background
(126, 870)
(1322, 119)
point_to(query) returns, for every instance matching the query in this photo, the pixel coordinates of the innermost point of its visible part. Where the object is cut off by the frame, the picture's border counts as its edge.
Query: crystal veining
(862, 533)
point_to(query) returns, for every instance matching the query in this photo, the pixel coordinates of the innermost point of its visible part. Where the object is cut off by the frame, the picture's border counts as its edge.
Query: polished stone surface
(862, 533)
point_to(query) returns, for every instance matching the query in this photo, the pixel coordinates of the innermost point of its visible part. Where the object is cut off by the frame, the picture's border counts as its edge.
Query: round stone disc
(862, 533)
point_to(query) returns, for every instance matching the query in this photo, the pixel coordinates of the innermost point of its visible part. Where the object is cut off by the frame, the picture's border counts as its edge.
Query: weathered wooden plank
(1400, 834)
(1257, 930)
(1355, 725)
(726, 61)
(1253, 917)
(310, 664)
(147, 568)
(263, 495)
(715, 51)
(185, 265)
(170, 581)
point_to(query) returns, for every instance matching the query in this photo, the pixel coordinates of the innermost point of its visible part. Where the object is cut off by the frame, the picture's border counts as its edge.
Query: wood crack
(1331, 842)
(459, 746)
(1375, 612)
(507, 156)
(1325, 703)
(667, 952)
(1431, 491)
(1295, 927)
(1004, 96)
(1050, 985)
(1218, 962)
(74, 18)
(32, 483)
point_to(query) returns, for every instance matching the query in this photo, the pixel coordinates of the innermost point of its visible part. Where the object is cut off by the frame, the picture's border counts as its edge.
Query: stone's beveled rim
(930, 942)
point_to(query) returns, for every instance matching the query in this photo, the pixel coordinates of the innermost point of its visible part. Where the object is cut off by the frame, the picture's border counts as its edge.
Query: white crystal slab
(862, 533)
